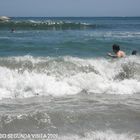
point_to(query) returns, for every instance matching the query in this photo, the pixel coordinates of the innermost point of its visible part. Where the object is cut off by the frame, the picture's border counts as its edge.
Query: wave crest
(28, 76)
(46, 25)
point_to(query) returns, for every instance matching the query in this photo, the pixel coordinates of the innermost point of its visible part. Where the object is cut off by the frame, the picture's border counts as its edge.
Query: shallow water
(73, 117)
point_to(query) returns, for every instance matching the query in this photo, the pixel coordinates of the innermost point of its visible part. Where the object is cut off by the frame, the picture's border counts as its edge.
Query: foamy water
(28, 76)
(97, 135)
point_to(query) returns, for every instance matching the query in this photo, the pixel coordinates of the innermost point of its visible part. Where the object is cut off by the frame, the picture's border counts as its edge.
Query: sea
(58, 83)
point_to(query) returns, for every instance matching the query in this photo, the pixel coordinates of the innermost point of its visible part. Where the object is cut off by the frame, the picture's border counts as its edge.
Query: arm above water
(113, 56)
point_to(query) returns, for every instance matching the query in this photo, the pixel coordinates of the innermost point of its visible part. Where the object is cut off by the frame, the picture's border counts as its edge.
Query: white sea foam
(115, 34)
(67, 76)
(100, 135)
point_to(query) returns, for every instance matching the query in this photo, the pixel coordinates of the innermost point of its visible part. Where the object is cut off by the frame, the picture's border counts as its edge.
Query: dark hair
(134, 52)
(116, 47)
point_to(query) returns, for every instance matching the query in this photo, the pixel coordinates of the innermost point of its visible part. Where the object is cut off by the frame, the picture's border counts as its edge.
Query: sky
(74, 8)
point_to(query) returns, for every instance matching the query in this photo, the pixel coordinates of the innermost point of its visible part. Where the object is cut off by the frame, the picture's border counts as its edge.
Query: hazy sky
(70, 7)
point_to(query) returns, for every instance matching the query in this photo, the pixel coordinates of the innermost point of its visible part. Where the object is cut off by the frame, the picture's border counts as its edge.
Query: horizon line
(78, 16)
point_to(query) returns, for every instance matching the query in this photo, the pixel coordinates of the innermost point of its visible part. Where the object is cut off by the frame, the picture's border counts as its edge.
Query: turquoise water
(56, 78)
(81, 37)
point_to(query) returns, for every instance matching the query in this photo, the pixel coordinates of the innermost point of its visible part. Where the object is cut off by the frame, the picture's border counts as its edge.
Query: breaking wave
(46, 25)
(64, 24)
(31, 76)
(32, 122)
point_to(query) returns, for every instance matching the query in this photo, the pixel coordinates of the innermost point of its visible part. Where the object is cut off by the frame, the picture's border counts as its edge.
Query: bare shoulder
(121, 54)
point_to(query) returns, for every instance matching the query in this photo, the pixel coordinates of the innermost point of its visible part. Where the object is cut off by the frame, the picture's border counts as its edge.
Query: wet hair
(134, 52)
(116, 47)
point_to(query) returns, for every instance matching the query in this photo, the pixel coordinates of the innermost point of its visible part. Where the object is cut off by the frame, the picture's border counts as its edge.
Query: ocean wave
(31, 76)
(115, 34)
(64, 23)
(101, 135)
(25, 122)
(39, 122)
(46, 25)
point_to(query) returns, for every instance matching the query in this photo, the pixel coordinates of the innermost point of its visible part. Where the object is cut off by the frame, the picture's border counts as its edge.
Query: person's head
(115, 48)
(12, 30)
(134, 52)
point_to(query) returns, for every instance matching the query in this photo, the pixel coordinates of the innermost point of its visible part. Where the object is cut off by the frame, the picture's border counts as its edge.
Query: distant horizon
(75, 16)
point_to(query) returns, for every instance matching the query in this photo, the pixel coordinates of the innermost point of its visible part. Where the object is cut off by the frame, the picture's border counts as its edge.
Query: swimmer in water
(134, 52)
(117, 51)
(12, 30)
